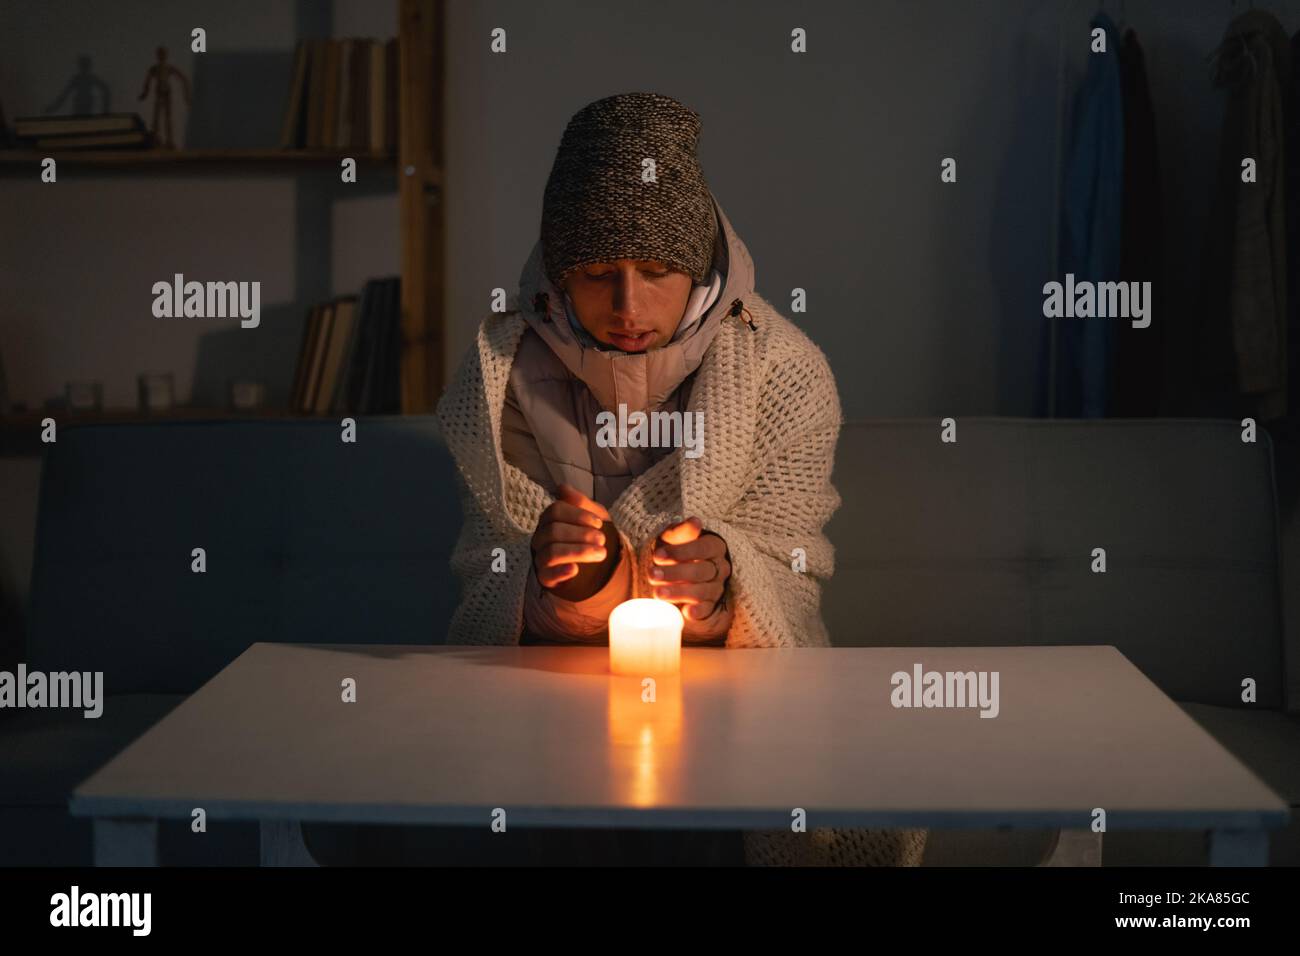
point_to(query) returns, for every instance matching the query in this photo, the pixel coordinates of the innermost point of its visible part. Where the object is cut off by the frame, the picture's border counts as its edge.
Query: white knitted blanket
(771, 420)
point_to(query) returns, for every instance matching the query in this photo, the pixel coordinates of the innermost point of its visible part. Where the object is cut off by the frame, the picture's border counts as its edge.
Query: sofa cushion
(1266, 741)
(308, 540)
(988, 541)
(1191, 847)
(45, 753)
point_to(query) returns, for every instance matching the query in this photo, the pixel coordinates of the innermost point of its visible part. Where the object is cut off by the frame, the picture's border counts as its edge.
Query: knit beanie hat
(597, 208)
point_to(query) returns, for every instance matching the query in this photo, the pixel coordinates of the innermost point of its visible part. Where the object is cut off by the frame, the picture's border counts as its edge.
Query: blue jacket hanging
(1091, 228)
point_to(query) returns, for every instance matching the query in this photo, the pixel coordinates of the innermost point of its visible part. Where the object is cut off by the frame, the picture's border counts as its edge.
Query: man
(638, 299)
(639, 293)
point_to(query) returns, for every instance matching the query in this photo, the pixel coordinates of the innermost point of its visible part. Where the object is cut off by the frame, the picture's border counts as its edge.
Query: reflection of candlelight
(645, 733)
(645, 638)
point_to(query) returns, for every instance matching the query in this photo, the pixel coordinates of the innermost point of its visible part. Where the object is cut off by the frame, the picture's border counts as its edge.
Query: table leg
(125, 842)
(1238, 847)
(282, 844)
(1075, 848)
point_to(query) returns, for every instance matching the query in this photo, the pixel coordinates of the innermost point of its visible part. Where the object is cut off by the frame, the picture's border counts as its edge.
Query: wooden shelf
(13, 160)
(420, 170)
(66, 416)
(20, 432)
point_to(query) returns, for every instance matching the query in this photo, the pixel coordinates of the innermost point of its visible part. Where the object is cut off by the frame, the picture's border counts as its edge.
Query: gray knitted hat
(598, 209)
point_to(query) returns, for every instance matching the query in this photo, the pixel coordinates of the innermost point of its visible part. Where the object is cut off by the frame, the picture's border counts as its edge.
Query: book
(28, 127)
(291, 130)
(358, 352)
(330, 111)
(343, 96)
(4, 385)
(393, 381)
(310, 322)
(381, 398)
(96, 141)
(315, 93)
(381, 336)
(359, 77)
(350, 353)
(343, 135)
(345, 314)
(318, 357)
(373, 336)
(317, 327)
(378, 96)
(394, 66)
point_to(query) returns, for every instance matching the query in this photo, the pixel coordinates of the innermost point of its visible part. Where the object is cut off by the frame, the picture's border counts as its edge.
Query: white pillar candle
(645, 638)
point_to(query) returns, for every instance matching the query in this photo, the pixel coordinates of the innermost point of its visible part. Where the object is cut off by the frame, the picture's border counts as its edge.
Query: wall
(925, 296)
(827, 163)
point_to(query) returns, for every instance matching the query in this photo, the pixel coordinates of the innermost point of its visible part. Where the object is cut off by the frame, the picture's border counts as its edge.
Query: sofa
(988, 540)
(985, 540)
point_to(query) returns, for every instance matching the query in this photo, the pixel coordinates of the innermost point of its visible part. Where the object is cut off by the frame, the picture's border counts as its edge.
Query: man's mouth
(632, 343)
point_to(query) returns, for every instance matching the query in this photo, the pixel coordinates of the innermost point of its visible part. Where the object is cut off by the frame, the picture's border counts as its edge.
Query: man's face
(631, 304)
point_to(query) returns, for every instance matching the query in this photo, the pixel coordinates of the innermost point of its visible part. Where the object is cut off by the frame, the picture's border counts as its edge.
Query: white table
(447, 735)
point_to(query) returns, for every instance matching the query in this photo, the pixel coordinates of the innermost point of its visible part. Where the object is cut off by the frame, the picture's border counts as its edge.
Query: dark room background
(925, 296)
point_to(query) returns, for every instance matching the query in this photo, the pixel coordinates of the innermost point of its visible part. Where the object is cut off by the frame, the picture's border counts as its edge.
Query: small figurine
(161, 73)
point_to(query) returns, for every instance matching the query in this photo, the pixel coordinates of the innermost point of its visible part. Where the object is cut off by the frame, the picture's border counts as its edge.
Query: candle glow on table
(645, 637)
(644, 748)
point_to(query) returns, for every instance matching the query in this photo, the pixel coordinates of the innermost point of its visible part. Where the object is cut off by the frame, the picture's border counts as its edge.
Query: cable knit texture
(771, 420)
(826, 846)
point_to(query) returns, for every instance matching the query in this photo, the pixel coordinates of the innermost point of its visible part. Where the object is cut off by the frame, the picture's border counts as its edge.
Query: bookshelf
(417, 166)
(23, 161)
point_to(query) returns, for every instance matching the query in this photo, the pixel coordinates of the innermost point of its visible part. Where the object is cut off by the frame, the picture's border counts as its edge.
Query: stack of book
(343, 95)
(349, 360)
(94, 131)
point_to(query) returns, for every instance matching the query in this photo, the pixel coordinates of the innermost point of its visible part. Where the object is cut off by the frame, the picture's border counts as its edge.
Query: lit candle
(645, 638)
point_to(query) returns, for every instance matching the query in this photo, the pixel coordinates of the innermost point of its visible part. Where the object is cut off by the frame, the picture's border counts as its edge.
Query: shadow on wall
(231, 107)
(83, 89)
(1017, 226)
(1002, 276)
(1188, 142)
(267, 354)
(13, 628)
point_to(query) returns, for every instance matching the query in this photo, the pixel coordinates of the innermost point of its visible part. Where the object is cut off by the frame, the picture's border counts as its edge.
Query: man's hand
(691, 568)
(575, 547)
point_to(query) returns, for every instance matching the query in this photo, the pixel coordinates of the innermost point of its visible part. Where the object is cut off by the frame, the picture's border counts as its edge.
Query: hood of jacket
(1252, 35)
(639, 380)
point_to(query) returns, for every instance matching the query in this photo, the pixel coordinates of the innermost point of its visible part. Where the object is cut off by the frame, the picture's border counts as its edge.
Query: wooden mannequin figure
(160, 75)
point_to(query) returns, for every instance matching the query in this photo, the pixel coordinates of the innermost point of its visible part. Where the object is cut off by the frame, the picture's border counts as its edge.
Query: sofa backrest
(985, 541)
(989, 541)
(307, 538)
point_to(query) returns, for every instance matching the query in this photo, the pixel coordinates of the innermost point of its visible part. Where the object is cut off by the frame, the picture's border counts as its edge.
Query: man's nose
(627, 293)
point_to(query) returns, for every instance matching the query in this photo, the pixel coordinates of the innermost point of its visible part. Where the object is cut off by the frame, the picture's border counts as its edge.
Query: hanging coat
(1139, 352)
(1292, 188)
(1091, 218)
(1247, 307)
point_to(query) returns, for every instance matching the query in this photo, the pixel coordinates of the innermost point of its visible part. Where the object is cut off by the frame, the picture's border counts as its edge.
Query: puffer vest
(559, 384)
